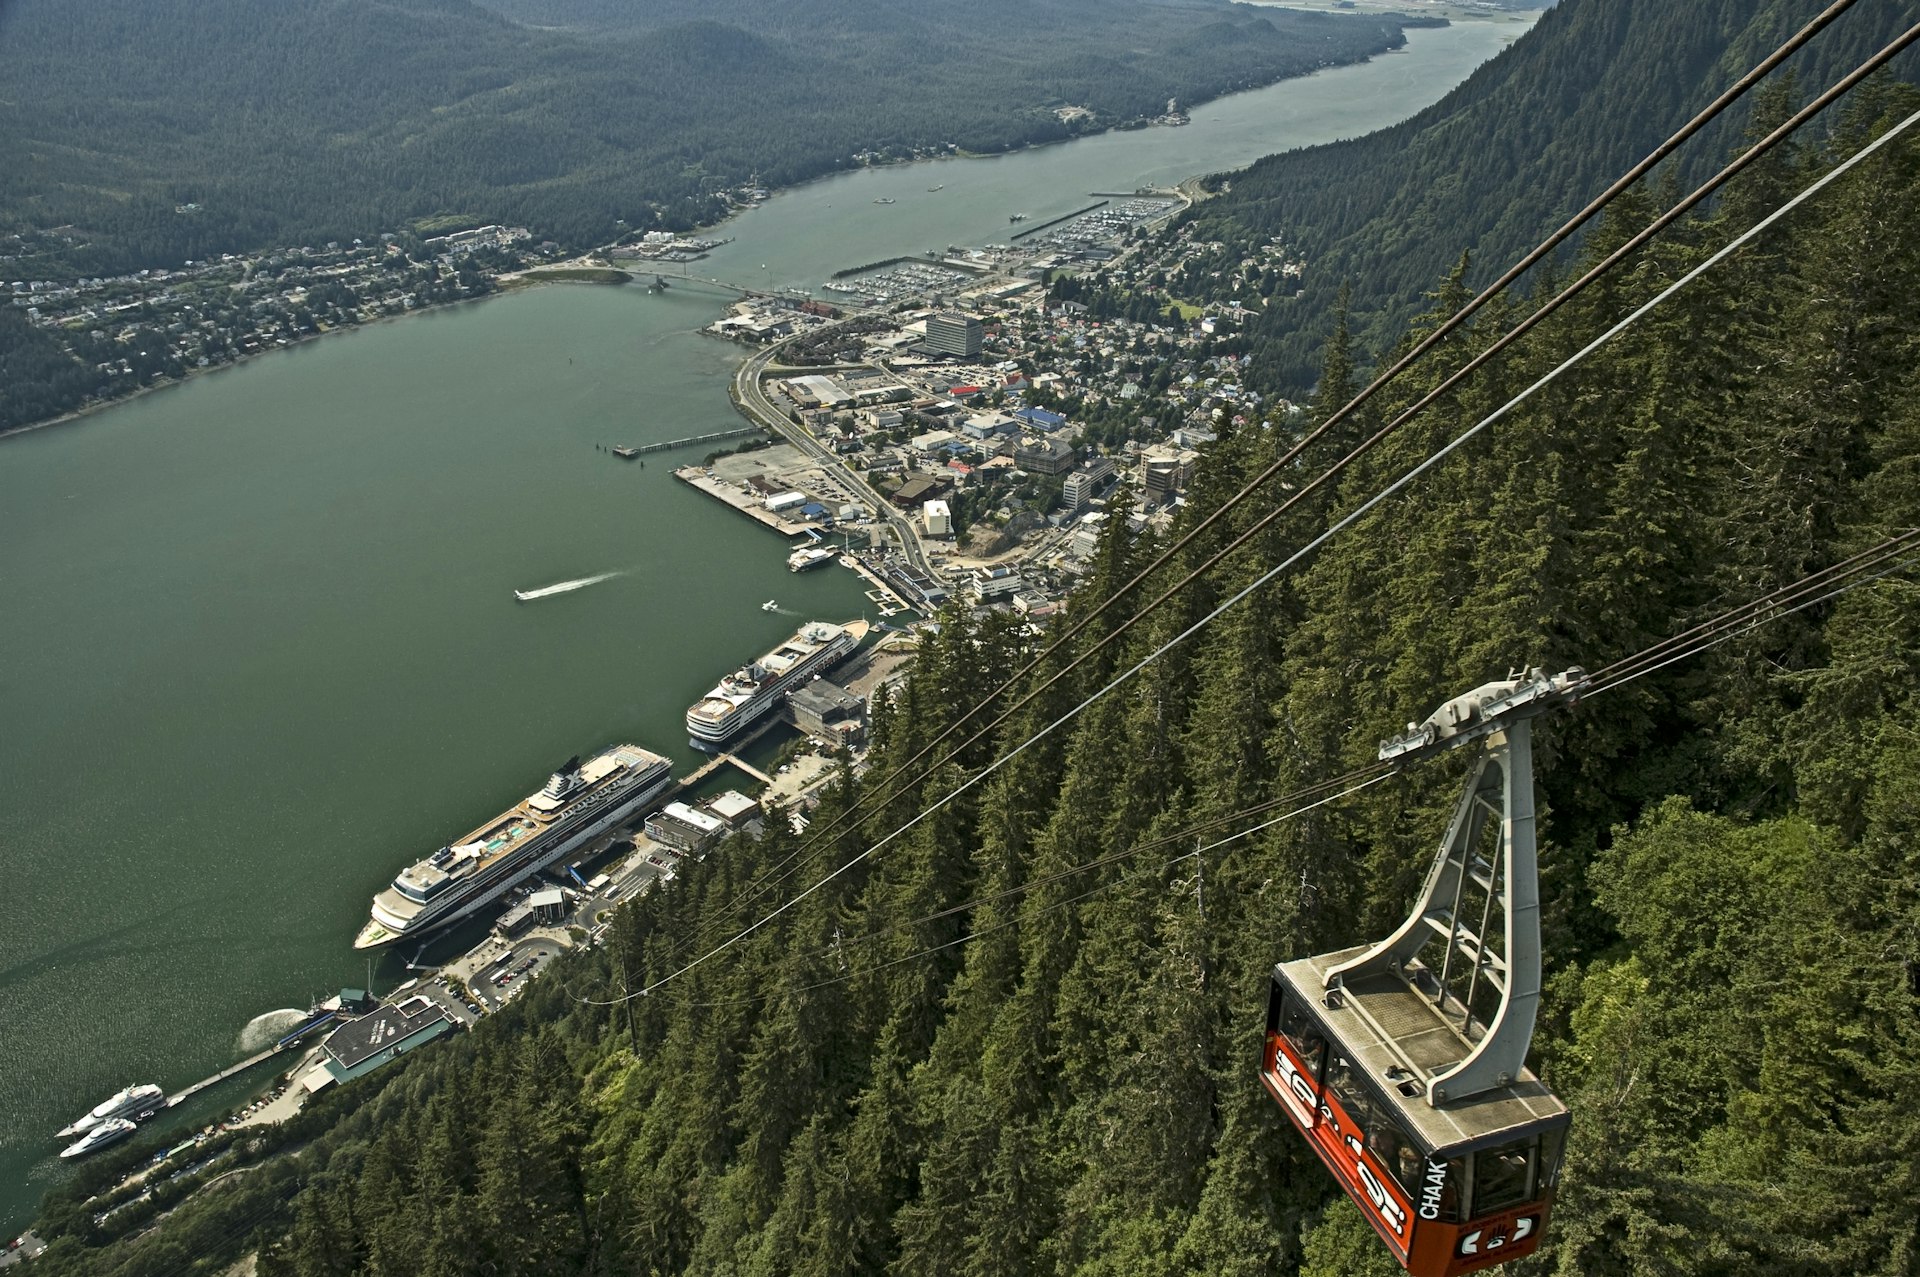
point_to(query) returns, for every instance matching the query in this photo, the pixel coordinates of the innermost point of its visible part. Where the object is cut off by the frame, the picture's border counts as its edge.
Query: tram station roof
(362, 1045)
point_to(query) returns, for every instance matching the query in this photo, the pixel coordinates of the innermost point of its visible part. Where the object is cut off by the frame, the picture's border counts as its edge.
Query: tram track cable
(1371, 776)
(1888, 557)
(821, 841)
(1870, 565)
(1433, 459)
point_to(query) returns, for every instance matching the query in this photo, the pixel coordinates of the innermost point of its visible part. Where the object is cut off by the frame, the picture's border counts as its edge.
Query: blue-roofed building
(1042, 420)
(814, 510)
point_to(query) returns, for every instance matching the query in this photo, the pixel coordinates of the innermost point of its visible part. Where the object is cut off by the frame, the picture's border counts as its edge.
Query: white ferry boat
(133, 1101)
(809, 557)
(110, 1131)
(746, 695)
(578, 804)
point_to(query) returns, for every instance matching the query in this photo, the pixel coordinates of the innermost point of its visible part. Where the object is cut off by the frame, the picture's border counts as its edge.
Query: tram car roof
(1398, 1039)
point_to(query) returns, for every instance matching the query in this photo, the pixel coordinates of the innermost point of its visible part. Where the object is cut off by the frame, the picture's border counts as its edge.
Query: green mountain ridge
(299, 124)
(1507, 156)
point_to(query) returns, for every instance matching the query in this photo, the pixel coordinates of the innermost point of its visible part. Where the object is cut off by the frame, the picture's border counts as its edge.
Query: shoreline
(192, 374)
(510, 282)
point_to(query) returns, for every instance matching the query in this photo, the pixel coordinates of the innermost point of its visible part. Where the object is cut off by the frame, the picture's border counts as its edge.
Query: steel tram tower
(1403, 1063)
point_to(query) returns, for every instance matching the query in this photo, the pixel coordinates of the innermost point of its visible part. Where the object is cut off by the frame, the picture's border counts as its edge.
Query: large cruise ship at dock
(746, 695)
(579, 803)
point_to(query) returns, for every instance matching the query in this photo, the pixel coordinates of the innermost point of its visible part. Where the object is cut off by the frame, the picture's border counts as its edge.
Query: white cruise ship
(134, 1101)
(809, 557)
(578, 804)
(746, 695)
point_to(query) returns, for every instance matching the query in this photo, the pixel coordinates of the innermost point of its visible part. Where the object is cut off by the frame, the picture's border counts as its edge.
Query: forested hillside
(966, 1056)
(148, 132)
(1509, 155)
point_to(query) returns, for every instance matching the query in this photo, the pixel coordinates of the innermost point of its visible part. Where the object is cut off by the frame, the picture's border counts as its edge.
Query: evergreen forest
(143, 133)
(1503, 159)
(1021, 1038)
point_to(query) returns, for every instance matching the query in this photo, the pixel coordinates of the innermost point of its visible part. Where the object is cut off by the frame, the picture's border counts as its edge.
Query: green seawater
(258, 640)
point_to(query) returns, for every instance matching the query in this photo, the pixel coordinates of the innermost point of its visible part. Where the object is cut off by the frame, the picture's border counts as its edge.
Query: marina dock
(744, 502)
(882, 593)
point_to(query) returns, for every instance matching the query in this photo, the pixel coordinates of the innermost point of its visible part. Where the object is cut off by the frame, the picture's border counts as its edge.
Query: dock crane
(1403, 1063)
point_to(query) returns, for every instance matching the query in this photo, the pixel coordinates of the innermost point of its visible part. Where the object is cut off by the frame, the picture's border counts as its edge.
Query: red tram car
(1450, 1190)
(1403, 1063)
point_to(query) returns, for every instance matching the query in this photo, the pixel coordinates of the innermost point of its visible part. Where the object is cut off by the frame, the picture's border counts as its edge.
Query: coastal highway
(751, 397)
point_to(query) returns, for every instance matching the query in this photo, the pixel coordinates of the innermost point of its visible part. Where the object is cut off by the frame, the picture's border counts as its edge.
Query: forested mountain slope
(964, 1056)
(293, 123)
(1510, 154)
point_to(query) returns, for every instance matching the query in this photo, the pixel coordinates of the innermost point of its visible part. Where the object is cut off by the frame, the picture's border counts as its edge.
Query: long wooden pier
(690, 440)
(231, 1071)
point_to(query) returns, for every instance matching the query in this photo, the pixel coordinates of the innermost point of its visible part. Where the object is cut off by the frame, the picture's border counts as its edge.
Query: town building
(515, 922)
(549, 906)
(952, 333)
(684, 828)
(828, 711)
(1085, 483)
(733, 808)
(984, 585)
(1044, 456)
(939, 518)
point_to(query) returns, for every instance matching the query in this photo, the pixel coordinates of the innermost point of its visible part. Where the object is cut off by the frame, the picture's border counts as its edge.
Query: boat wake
(563, 587)
(263, 1031)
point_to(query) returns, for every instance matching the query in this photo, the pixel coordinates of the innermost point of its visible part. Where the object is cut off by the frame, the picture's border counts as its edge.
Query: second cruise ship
(743, 697)
(579, 803)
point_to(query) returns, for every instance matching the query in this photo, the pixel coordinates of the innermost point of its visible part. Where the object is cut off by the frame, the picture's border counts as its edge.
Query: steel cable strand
(747, 999)
(1732, 616)
(1899, 562)
(1359, 778)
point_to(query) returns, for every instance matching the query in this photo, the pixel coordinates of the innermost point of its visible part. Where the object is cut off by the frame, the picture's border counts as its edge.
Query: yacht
(110, 1131)
(134, 1101)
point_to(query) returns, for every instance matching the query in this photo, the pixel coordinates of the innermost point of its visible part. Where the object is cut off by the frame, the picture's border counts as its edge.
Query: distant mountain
(1509, 154)
(291, 123)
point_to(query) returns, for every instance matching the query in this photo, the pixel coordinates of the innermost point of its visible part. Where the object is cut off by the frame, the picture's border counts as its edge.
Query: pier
(231, 1071)
(713, 437)
(1037, 227)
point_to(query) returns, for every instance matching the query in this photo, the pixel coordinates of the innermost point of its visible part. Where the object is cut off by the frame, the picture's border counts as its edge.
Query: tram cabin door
(1452, 1188)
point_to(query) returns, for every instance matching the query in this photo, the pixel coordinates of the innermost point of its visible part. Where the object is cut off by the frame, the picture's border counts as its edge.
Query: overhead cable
(1359, 512)
(1546, 247)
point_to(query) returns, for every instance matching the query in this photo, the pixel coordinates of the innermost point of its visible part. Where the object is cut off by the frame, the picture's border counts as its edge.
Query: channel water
(261, 645)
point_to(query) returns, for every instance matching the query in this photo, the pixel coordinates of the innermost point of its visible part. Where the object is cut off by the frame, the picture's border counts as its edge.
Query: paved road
(753, 400)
